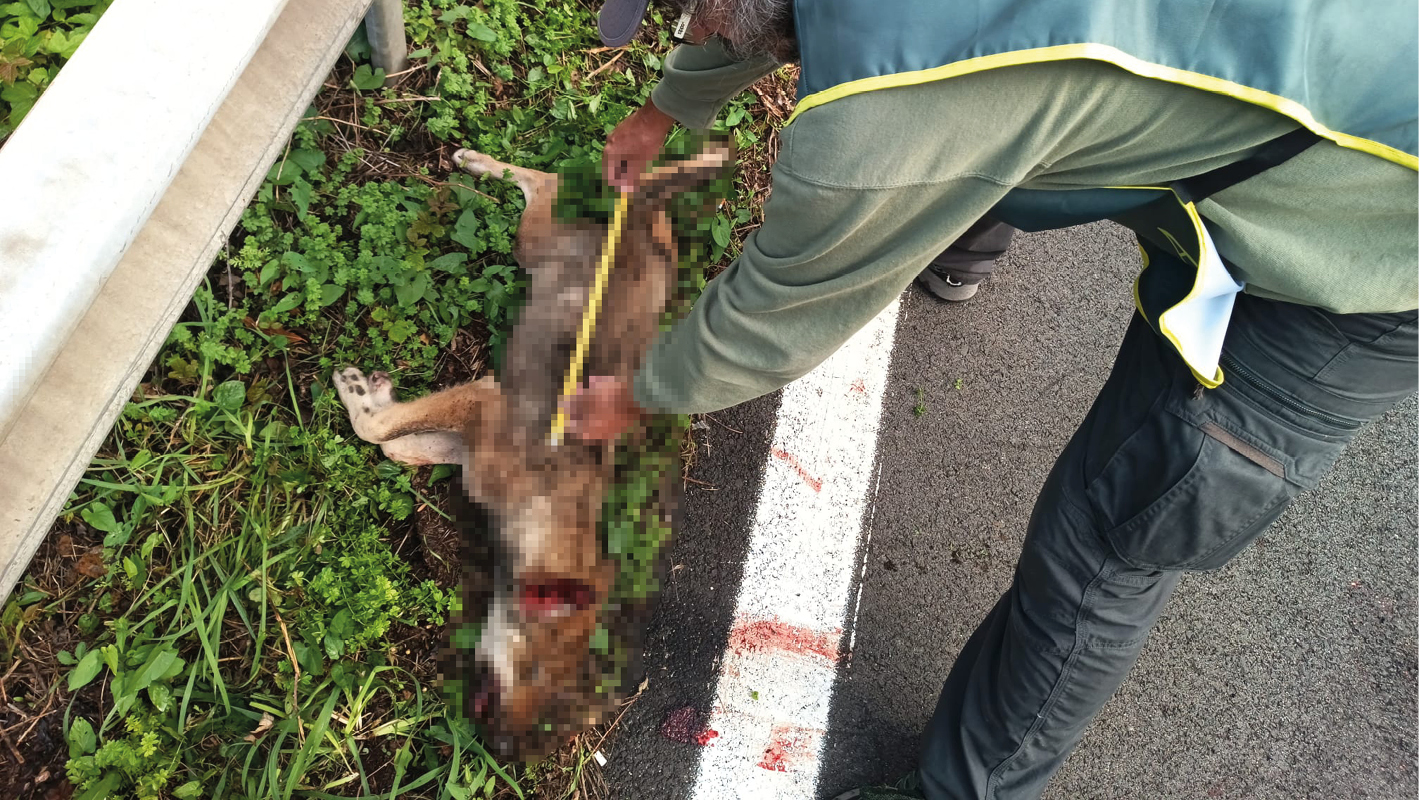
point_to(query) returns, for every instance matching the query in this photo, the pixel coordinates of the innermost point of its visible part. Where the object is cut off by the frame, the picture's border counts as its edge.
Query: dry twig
(295, 685)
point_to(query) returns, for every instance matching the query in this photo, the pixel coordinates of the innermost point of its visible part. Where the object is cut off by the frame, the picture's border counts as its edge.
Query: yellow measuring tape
(588, 318)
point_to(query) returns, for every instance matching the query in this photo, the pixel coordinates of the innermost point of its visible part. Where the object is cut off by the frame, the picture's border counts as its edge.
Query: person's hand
(602, 409)
(634, 144)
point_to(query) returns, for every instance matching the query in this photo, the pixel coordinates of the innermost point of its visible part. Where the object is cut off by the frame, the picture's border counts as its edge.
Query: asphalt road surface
(1289, 674)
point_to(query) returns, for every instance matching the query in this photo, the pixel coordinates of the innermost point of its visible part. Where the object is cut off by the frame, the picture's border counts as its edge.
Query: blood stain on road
(788, 747)
(771, 634)
(687, 726)
(792, 460)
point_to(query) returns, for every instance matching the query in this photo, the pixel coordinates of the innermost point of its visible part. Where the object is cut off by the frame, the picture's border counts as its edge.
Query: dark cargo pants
(971, 258)
(1160, 478)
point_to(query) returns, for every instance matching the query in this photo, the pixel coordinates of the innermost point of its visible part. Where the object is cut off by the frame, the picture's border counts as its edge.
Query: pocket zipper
(1233, 367)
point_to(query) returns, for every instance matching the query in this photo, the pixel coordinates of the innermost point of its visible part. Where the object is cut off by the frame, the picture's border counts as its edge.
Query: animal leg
(532, 183)
(378, 418)
(434, 447)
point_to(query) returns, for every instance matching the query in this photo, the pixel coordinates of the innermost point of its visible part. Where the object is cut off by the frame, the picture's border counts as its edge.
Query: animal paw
(475, 163)
(364, 397)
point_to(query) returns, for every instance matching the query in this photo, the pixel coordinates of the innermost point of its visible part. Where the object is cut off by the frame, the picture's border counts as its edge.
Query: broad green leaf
(123, 693)
(103, 789)
(329, 293)
(309, 160)
(58, 43)
(309, 658)
(88, 669)
(387, 470)
(720, 231)
(174, 669)
(301, 193)
(413, 290)
(288, 302)
(366, 79)
(446, 263)
(118, 537)
(160, 696)
(297, 262)
(359, 47)
(188, 791)
(284, 172)
(109, 653)
(39, 7)
(334, 646)
(82, 740)
(455, 14)
(343, 624)
(465, 230)
(100, 517)
(230, 396)
(441, 472)
(482, 32)
(270, 271)
(72, 46)
(157, 668)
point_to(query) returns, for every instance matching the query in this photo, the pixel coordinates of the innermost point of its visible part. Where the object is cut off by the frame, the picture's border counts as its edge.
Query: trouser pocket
(1202, 476)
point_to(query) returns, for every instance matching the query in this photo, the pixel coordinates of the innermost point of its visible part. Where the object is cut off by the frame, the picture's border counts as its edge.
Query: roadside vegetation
(241, 599)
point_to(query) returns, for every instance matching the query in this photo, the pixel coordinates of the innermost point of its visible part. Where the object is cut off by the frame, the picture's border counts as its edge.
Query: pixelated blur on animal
(535, 680)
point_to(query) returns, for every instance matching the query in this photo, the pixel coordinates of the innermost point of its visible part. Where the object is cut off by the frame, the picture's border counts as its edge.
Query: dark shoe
(908, 788)
(947, 287)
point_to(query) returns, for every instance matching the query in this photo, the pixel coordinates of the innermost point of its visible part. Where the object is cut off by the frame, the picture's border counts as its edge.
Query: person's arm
(826, 261)
(698, 81)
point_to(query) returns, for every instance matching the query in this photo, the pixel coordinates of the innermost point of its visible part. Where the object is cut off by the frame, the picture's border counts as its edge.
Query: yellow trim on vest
(1112, 55)
(1216, 380)
(1137, 279)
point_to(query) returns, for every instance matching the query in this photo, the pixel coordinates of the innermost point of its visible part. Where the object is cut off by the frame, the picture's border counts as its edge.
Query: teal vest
(1346, 71)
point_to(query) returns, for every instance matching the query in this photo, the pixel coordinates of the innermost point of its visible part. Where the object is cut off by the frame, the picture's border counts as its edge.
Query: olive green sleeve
(699, 80)
(870, 187)
(826, 261)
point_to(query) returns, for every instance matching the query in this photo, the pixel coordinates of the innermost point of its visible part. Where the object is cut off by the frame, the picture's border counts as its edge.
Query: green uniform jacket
(868, 188)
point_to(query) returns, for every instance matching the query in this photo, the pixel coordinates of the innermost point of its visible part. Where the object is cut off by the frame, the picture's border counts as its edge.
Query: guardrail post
(384, 25)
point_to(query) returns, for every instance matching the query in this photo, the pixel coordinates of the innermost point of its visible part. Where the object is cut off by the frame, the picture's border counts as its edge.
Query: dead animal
(538, 680)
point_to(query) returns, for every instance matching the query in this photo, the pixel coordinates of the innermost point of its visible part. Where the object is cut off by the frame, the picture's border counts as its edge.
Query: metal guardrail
(121, 185)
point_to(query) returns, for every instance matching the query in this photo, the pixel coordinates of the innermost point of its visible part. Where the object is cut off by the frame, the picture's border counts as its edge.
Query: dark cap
(619, 19)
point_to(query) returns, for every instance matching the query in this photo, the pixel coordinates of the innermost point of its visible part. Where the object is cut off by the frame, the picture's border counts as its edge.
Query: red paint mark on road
(788, 747)
(792, 460)
(771, 634)
(859, 386)
(687, 726)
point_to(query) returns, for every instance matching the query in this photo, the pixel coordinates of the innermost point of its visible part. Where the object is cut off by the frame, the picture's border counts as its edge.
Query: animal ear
(691, 173)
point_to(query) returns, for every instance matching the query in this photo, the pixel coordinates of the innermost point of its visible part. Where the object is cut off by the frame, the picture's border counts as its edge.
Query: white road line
(776, 676)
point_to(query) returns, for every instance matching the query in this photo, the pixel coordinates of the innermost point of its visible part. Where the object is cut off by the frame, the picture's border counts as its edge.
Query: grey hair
(750, 28)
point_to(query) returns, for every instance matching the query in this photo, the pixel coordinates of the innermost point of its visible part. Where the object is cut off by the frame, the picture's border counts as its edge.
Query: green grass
(241, 599)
